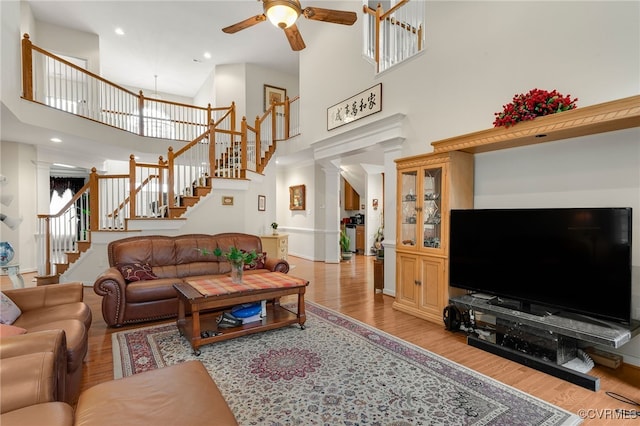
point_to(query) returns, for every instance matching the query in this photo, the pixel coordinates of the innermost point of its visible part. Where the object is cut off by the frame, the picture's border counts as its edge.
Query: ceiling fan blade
(249, 22)
(329, 15)
(294, 37)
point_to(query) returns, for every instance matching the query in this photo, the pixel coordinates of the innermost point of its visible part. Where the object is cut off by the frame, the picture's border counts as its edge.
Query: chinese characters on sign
(356, 107)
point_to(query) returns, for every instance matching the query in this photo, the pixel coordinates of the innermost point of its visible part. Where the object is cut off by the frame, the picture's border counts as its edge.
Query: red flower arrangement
(531, 105)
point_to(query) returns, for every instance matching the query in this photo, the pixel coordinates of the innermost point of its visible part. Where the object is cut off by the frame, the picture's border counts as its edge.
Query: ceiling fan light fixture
(282, 13)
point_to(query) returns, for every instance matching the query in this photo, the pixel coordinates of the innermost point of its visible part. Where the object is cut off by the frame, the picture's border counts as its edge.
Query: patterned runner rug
(337, 371)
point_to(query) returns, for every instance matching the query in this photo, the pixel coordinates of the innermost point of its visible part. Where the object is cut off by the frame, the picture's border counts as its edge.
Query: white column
(392, 151)
(43, 201)
(332, 213)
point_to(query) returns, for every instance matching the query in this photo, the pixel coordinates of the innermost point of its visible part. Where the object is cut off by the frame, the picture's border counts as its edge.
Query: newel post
(259, 165)
(94, 203)
(141, 114)
(27, 68)
(243, 145)
(233, 117)
(170, 160)
(287, 118)
(132, 186)
(161, 177)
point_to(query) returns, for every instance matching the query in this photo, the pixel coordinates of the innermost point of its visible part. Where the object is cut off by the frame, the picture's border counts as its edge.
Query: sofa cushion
(9, 311)
(136, 271)
(77, 310)
(147, 399)
(154, 290)
(7, 330)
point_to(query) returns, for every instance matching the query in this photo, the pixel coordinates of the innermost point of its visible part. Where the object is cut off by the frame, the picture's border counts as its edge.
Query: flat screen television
(575, 260)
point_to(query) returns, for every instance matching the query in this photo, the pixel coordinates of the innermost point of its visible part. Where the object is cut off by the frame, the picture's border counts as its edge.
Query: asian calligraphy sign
(356, 107)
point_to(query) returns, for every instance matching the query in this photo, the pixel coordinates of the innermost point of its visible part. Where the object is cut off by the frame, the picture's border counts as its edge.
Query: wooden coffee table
(207, 299)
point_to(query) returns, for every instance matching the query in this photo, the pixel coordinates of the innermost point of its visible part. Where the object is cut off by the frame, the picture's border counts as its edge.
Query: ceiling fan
(285, 13)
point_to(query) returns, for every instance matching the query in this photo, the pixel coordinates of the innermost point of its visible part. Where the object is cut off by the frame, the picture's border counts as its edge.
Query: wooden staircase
(82, 246)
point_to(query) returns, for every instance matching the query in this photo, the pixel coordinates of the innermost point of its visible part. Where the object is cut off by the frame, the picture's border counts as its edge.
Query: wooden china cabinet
(429, 186)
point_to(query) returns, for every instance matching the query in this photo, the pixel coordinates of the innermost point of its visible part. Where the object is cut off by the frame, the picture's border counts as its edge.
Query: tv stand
(541, 342)
(537, 310)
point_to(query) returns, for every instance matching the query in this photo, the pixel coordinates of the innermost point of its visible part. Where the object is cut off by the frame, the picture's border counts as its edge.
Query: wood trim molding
(605, 117)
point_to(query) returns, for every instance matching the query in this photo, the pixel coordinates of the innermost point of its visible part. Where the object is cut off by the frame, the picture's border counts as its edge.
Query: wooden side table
(276, 246)
(378, 275)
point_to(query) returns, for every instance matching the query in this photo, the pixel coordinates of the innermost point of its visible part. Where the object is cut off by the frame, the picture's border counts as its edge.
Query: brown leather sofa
(171, 259)
(30, 392)
(53, 307)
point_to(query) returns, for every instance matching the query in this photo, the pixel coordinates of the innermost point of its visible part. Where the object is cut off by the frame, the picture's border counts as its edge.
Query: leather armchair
(54, 307)
(33, 378)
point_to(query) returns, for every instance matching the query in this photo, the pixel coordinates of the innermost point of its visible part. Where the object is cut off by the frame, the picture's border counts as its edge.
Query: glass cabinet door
(409, 208)
(432, 207)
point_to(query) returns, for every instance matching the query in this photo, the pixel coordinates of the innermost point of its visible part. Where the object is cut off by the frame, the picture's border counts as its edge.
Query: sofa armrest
(33, 369)
(38, 341)
(27, 380)
(111, 286)
(32, 298)
(276, 265)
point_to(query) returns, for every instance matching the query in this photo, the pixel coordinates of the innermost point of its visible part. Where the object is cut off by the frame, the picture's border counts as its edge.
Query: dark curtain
(62, 184)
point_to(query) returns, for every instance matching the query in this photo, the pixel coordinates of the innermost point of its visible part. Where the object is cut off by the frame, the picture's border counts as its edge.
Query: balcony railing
(395, 35)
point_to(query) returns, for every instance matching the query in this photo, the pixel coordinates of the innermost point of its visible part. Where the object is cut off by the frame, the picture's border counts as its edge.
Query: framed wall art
(262, 203)
(356, 107)
(296, 197)
(227, 200)
(273, 94)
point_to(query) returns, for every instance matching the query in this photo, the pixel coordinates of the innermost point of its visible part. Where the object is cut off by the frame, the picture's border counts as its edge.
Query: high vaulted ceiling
(169, 38)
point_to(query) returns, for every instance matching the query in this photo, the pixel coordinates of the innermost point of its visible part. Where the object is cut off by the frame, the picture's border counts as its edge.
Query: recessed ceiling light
(66, 166)
(56, 140)
(207, 55)
(119, 31)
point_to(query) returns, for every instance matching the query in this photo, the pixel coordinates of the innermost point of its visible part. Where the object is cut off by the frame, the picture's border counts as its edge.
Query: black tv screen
(571, 259)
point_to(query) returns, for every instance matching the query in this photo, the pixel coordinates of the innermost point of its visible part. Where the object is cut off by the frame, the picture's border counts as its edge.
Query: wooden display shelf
(582, 121)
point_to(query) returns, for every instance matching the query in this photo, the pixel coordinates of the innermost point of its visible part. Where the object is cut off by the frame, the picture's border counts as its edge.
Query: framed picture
(262, 203)
(227, 200)
(296, 197)
(356, 107)
(273, 94)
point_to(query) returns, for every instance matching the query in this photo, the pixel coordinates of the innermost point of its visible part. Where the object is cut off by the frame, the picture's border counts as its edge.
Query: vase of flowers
(237, 258)
(534, 104)
(274, 226)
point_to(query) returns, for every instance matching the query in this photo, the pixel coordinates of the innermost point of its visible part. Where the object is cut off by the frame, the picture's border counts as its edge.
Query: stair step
(83, 246)
(47, 280)
(175, 212)
(201, 191)
(189, 201)
(61, 268)
(72, 256)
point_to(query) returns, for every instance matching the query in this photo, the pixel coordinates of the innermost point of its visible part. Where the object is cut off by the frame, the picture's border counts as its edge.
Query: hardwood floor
(348, 288)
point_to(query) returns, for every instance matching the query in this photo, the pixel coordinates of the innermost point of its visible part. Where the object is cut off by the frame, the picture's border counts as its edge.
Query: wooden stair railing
(64, 236)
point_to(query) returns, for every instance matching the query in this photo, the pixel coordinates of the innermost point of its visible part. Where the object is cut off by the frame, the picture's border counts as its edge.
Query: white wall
(478, 55)
(299, 224)
(17, 165)
(69, 42)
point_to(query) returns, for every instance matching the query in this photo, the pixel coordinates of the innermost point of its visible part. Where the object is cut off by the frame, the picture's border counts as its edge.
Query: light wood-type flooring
(348, 288)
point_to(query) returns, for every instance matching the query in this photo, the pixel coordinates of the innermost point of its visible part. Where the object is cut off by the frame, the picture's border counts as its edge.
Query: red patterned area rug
(337, 371)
